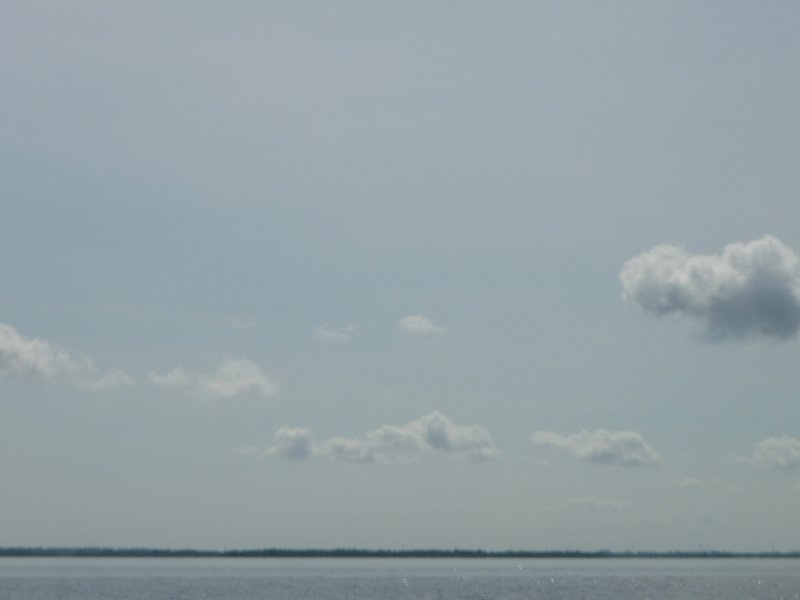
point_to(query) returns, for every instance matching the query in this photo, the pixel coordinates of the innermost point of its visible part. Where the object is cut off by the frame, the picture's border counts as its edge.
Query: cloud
(343, 335)
(782, 452)
(232, 378)
(32, 357)
(421, 326)
(626, 448)
(433, 433)
(111, 380)
(38, 359)
(600, 504)
(293, 442)
(750, 289)
(245, 450)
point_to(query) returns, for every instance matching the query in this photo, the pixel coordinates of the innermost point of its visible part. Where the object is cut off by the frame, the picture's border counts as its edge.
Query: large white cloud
(627, 448)
(429, 434)
(751, 288)
(39, 359)
(782, 452)
(232, 378)
(420, 325)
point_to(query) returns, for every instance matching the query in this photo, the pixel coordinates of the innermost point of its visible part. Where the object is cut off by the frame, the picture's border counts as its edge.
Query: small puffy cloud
(433, 433)
(326, 334)
(245, 450)
(749, 289)
(440, 433)
(782, 452)
(354, 450)
(110, 380)
(38, 359)
(178, 377)
(626, 448)
(232, 378)
(421, 326)
(599, 504)
(293, 442)
(32, 357)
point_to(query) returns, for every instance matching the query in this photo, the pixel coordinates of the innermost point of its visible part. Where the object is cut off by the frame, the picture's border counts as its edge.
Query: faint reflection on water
(380, 578)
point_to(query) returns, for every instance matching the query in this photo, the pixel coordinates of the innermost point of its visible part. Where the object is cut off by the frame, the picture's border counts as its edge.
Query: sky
(511, 275)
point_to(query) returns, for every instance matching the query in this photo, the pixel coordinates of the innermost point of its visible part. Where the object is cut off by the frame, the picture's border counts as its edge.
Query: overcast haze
(455, 274)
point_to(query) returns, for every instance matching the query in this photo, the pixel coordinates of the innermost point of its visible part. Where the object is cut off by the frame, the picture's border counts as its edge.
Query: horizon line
(354, 552)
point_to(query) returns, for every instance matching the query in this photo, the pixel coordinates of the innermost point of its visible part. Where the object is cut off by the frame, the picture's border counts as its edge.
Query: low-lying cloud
(750, 289)
(37, 359)
(110, 380)
(33, 357)
(420, 326)
(781, 452)
(232, 378)
(433, 433)
(293, 442)
(625, 448)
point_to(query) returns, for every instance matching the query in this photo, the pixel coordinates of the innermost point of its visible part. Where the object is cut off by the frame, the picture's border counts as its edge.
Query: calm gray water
(346, 579)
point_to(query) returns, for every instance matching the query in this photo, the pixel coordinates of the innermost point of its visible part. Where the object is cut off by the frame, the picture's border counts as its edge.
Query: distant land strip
(103, 552)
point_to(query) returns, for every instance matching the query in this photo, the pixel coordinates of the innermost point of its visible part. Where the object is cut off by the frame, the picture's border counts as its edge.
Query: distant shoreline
(102, 552)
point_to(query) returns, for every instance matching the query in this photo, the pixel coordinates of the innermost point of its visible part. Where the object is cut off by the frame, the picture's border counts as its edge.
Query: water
(379, 579)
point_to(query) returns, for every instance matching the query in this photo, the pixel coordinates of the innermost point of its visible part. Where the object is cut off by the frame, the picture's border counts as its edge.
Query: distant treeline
(100, 552)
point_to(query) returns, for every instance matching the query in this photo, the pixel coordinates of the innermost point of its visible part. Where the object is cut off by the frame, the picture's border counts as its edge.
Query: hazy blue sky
(410, 274)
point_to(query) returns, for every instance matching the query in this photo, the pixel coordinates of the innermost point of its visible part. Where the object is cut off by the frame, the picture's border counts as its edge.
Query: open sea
(385, 578)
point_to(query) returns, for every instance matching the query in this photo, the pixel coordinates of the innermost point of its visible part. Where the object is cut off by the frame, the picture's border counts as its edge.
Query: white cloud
(386, 443)
(111, 380)
(343, 335)
(627, 448)
(600, 504)
(421, 326)
(782, 452)
(752, 288)
(293, 442)
(245, 450)
(432, 433)
(178, 377)
(232, 378)
(390, 443)
(38, 359)
(32, 357)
